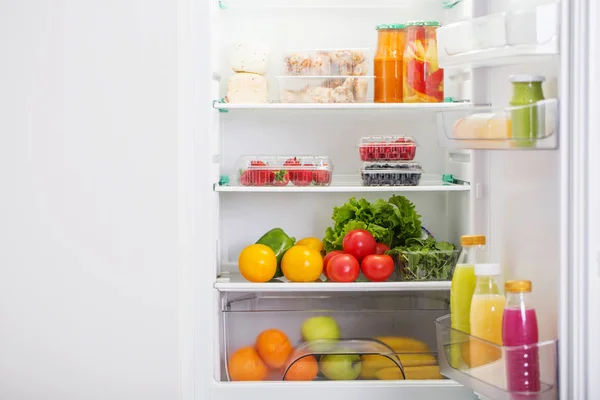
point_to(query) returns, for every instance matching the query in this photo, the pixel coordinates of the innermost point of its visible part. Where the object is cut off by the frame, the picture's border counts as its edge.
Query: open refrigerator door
(298, 139)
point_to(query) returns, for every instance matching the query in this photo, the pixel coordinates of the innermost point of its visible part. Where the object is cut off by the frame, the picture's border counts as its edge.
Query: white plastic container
(325, 89)
(532, 25)
(284, 170)
(328, 62)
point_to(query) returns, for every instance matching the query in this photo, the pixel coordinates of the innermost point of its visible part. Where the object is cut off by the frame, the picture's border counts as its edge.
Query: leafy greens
(391, 222)
(426, 259)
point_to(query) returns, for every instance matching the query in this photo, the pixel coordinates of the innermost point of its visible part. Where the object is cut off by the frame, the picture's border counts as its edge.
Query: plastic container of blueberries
(387, 148)
(391, 173)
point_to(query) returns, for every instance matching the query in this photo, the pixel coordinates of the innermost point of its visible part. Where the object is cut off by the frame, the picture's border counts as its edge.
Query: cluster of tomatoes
(261, 174)
(361, 253)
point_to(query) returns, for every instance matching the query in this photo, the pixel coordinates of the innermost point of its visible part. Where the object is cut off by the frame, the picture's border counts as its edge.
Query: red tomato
(328, 257)
(381, 248)
(360, 243)
(343, 268)
(377, 267)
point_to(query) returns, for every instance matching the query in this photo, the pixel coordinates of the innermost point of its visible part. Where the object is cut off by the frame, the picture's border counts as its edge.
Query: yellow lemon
(257, 263)
(311, 242)
(302, 264)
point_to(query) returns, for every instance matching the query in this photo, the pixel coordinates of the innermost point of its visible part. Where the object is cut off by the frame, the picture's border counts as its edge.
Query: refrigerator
(535, 205)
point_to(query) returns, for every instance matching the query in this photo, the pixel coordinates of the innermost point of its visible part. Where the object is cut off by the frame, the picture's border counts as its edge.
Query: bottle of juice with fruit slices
(463, 286)
(487, 310)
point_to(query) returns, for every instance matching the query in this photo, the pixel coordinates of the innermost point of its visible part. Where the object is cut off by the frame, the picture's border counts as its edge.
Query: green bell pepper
(279, 242)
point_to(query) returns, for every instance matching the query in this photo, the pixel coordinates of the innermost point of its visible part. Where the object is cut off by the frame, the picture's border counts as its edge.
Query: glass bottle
(388, 63)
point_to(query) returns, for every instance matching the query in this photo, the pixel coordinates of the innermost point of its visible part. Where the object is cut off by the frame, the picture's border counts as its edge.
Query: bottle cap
(390, 26)
(527, 78)
(472, 240)
(422, 23)
(517, 286)
(487, 269)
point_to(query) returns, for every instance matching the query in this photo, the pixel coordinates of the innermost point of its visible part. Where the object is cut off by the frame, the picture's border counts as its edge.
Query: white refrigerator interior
(518, 198)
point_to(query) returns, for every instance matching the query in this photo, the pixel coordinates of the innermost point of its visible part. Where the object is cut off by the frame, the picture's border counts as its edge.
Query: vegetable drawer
(330, 337)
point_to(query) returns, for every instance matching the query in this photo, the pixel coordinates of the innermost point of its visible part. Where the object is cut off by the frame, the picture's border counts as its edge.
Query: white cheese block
(247, 88)
(250, 57)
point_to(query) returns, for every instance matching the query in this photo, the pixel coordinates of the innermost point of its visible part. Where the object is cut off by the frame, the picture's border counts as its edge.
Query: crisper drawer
(343, 336)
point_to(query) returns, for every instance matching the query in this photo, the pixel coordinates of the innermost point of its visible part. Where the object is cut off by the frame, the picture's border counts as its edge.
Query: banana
(412, 373)
(402, 344)
(373, 363)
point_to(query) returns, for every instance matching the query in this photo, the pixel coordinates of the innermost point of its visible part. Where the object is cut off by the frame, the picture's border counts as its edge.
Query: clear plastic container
(387, 148)
(284, 170)
(427, 265)
(391, 173)
(325, 89)
(328, 62)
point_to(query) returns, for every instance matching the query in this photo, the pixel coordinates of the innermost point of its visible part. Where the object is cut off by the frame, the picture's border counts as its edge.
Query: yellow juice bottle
(487, 309)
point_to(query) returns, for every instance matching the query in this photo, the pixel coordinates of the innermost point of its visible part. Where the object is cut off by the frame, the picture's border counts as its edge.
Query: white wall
(88, 199)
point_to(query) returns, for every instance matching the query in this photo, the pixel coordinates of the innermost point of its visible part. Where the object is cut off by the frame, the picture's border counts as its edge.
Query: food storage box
(391, 173)
(325, 89)
(387, 148)
(426, 265)
(332, 62)
(284, 170)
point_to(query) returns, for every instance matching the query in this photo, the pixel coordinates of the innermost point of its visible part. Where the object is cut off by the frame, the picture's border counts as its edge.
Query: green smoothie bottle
(527, 122)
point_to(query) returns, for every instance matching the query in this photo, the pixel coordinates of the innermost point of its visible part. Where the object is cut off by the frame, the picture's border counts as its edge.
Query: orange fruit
(303, 369)
(302, 264)
(273, 347)
(246, 365)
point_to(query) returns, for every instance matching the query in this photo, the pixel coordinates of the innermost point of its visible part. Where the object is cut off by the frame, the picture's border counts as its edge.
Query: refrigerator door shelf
(488, 380)
(515, 128)
(512, 37)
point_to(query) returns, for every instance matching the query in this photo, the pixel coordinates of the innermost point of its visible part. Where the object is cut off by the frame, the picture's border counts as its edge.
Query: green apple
(321, 327)
(341, 367)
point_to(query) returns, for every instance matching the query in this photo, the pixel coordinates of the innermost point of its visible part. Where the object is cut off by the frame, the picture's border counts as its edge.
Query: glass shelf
(482, 127)
(488, 377)
(319, 4)
(512, 37)
(274, 106)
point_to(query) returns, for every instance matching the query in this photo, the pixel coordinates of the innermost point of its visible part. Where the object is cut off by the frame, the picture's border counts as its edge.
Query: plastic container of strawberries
(282, 170)
(387, 148)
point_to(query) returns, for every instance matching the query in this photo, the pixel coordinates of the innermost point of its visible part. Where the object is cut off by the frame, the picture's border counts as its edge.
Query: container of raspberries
(387, 148)
(391, 173)
(278, 171)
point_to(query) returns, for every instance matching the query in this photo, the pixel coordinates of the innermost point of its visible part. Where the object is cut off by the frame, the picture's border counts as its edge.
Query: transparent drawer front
(497, 372)
(330, 340)
(483, 127)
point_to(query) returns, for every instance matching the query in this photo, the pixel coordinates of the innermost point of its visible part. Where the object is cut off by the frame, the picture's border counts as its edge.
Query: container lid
(450, 3)
(390, 26)
(422, 23)
(517, 286)
(524, 78)
(387, 166)
(472, 240)
(487, 269)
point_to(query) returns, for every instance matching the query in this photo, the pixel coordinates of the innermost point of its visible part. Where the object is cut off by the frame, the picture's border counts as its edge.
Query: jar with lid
(423, 78)
(527, 118)
(388, 63)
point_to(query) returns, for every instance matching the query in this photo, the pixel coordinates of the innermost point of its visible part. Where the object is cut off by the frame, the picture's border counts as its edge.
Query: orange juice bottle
(487, 309)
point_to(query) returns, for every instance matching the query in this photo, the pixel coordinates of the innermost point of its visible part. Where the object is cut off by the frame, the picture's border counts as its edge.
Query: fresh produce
(343, 268)
(281, 178)
(328, 257)
(273, 347)
(341, 367)
(426, 259)
(377, 267)
(360, 243)
(402, 344)
(312, 242)
(381, 248)
(391, 173)
(320, 328)
(246, 365)
(257, 263)
(411, 373)
(302, 264)
(302, 369)
(279, 242)
(321, 177)
(390, 222)
(299, 177)
(372, 363)
(387, 149)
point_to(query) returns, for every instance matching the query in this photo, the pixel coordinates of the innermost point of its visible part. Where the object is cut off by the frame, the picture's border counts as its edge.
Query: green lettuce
(390, 222)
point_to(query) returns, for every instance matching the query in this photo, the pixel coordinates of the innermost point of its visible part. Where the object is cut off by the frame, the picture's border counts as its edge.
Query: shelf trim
(340, 106)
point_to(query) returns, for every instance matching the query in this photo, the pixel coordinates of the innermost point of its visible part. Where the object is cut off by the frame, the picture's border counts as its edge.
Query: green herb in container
(425, 260)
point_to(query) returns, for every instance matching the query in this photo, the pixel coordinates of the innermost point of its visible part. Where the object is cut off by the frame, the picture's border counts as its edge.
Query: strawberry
(281, 178)
(259, 176)
(303, 177)
(322, 177)
(292, 162)
(245, 178)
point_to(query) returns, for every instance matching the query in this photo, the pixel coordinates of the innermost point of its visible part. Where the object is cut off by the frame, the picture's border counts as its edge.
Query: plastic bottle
(463, 286)
(487, 309)
(519, 328)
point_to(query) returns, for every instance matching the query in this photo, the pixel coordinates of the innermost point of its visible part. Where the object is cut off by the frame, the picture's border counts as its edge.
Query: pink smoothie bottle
(519, 328)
